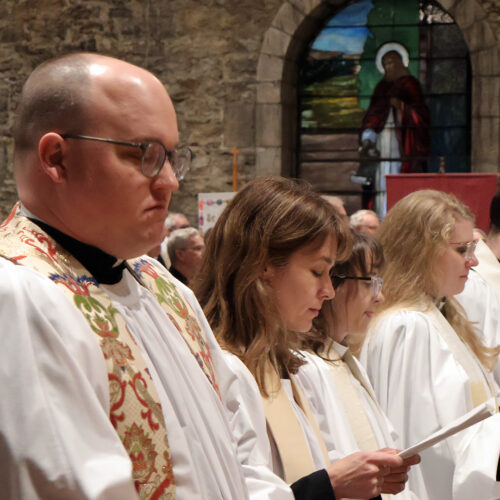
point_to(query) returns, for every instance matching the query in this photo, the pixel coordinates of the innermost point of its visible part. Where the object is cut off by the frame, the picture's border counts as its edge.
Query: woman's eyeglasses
(375, 281)
(466, 249)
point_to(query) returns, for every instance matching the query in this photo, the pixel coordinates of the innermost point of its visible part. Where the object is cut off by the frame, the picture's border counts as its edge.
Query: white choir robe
(54, 420)
(56, 438)
(488, 266)
(316, 381)
(482, 305)
(208, 461)
(421, 387)
(478, 457)
(250, 403)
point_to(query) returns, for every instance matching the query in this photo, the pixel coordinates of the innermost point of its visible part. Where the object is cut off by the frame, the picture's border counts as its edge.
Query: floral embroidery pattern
(142, 453)
(183, 318)
(116, 399)
(78, 286)
(128, 377)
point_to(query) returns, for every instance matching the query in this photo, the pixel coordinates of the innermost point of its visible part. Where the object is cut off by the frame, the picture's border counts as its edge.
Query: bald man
(365, 221)
(112, 382)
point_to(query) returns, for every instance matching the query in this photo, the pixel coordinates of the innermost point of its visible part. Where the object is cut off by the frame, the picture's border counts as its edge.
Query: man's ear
(51, 149)
(179, 255)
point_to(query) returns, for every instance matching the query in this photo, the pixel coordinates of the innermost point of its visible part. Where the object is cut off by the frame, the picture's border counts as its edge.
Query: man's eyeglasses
(376, 282)
(466, 249)
(153, 155)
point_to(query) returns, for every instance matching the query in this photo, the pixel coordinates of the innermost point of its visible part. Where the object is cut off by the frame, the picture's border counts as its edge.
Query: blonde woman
(265, 276)
(425, 361)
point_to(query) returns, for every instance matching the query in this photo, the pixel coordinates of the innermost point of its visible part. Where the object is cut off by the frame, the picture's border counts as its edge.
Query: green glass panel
(383, 13)
(406, 12)
(337, 86)
(331, 113)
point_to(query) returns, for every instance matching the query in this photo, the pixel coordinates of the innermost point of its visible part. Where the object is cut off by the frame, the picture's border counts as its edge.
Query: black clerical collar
(102, 266)
(177, 274)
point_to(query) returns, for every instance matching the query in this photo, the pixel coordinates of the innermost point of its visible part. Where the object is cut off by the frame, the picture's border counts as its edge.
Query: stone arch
(297, 21)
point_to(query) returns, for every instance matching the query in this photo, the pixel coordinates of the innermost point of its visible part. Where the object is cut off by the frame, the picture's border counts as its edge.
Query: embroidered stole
(135, 410)
(294, 452)
(481, 384)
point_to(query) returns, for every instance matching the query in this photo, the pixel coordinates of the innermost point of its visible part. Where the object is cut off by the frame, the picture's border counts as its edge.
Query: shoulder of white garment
(27, 290)
(247, 418)
(313, 377)
(398, 326)
(58, 439)
(249, 390)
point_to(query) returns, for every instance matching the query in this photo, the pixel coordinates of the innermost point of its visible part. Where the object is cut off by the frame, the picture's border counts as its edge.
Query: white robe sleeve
(248, 423)
(420, 386)
(482, 305)
(56, 439)
(245, 412)
(476, 468)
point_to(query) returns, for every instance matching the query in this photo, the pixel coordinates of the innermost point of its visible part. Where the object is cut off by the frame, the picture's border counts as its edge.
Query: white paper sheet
(479, 413)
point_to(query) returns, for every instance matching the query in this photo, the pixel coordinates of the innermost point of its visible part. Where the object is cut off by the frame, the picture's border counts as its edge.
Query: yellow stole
(284, 428)
(480, 381)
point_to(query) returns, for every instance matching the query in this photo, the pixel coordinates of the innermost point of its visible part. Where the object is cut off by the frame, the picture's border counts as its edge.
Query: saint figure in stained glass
(396, 126)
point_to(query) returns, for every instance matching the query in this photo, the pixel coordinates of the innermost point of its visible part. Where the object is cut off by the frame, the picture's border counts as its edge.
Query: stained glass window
(395, 74)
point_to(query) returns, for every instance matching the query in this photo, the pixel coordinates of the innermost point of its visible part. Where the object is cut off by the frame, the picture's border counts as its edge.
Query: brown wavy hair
(265, 223)
(413, 235)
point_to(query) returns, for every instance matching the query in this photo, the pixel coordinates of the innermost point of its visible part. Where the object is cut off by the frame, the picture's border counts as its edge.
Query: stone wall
(207, 53)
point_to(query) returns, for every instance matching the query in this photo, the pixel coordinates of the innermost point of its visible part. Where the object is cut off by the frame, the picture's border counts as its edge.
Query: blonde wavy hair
(265, 223)
(413, 235)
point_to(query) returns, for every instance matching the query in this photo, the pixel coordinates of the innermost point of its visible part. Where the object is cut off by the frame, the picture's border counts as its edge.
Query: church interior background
(286, 83)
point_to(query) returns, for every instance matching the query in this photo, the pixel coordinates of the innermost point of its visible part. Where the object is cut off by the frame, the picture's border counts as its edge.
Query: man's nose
(166, 179)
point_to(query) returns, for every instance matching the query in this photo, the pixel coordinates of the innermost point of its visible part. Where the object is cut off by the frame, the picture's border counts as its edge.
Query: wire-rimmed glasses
(153, 155)
(376, 282)
(466, 249)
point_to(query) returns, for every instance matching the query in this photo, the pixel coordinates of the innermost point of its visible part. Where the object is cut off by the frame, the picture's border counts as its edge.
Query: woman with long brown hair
(265, 276)
(426, 362)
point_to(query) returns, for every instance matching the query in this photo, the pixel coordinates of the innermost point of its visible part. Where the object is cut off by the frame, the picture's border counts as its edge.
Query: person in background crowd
(336, 202)
(265, 276)
(479, 234)
(365, 221)
(155, 252)
(493, 238)
(174, 220)
(488, 253)
(185, 250)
